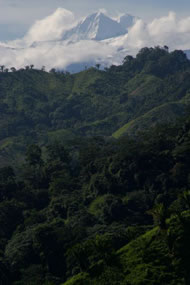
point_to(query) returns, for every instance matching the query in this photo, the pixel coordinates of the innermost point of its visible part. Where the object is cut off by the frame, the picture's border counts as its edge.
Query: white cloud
(52, 27)
(163, 25)
(50, 51)
(167, 30)
(57, 54)
(61, 55)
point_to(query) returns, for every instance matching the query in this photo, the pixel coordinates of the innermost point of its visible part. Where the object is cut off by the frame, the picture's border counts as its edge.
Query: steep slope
(37, 106)
(163, 114)
(99, 211)
(149, 259)
(97, 26)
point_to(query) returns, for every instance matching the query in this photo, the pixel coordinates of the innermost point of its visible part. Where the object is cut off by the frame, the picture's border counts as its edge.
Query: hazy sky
(16, 16)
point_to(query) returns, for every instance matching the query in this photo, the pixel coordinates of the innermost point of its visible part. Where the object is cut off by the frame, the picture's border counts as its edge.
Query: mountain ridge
(94, 102)
(95, 36)
(96, 26)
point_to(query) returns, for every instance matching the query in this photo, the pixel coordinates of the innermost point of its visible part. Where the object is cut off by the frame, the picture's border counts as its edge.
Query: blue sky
(16, 16)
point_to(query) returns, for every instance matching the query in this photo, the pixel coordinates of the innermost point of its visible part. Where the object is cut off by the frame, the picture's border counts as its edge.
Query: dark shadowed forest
(94, 176)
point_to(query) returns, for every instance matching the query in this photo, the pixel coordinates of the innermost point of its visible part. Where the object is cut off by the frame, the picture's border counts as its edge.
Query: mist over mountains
(63, 42)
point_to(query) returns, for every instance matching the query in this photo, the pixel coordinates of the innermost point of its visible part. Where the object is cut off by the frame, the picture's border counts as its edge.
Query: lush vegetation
(78, 206)
(99, 212)
(41, 107)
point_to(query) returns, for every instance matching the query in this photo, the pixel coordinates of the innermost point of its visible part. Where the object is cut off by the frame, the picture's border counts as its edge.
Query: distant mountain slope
(187, 52)
(97, 26)
(36, 106)
(97, 38)
(165, 113)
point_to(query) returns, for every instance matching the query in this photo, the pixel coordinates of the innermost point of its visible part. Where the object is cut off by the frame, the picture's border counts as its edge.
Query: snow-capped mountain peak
(96, 26)
(96, 38)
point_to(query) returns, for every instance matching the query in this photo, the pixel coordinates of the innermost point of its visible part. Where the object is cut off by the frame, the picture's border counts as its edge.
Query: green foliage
(80, 213)
(159, 214)
(44, 107)
(76, 209)
(33, 155)
(80, 279)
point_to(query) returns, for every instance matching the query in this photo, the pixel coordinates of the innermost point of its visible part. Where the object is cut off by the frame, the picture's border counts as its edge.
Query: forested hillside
(99, 212)
(41, 107)
(94, 174)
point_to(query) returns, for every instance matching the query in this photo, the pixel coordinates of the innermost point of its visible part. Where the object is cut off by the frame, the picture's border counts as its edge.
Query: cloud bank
(52, 27)
(167, 30)
(42, 45)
